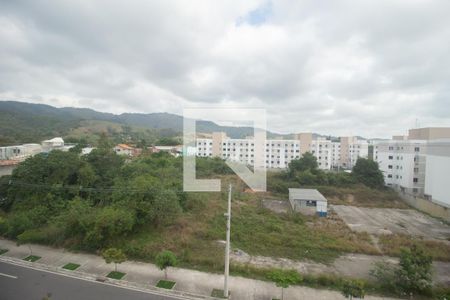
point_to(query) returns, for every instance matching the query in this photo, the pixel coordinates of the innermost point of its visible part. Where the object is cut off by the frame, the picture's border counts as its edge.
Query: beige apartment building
(278, 153)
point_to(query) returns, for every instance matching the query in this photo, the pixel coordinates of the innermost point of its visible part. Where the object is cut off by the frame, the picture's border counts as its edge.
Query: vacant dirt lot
(350, 265)
(278, 206)
(392, 220)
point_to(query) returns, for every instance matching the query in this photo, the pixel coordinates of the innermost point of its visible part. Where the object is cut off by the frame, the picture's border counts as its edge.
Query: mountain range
(22, 122)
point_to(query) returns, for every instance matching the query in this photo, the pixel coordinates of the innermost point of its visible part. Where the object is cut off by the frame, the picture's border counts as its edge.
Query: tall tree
(367, 172)
(308, 162)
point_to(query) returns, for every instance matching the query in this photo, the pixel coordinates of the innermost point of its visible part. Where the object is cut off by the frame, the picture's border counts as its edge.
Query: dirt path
(351, 265)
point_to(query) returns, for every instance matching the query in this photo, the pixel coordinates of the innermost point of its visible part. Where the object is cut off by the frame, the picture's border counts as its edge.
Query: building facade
(19, 152)
(417, 164)
(278, 153)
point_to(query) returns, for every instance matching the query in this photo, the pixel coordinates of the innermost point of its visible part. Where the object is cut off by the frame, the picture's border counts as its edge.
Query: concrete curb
(103, 279)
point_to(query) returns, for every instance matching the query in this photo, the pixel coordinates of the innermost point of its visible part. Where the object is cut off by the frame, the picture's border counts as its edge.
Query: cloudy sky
(370, 68)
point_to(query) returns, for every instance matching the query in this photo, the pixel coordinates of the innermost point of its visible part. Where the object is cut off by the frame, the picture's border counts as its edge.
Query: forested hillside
(31, 123)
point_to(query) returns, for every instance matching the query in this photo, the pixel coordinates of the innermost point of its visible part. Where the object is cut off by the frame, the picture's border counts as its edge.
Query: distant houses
(124, 149)
(173, 150)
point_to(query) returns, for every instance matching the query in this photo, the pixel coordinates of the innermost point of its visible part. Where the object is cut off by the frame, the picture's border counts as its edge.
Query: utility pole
(227, 246)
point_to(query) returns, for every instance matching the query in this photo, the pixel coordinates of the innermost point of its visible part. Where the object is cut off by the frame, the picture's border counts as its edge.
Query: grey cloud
(338, 67)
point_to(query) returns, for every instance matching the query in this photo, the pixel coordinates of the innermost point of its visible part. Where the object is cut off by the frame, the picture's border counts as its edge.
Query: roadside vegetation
(98, 201)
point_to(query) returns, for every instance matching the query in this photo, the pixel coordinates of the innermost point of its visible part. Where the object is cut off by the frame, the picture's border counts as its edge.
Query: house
(54, 143)
(308, 202)
(124, 149)
(19, 152)
(173, 150)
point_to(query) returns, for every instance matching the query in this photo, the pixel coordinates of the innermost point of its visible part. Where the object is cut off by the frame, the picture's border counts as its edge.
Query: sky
(368, 68)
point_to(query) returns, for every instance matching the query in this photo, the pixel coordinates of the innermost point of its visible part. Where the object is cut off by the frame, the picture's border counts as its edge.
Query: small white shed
(308, 202)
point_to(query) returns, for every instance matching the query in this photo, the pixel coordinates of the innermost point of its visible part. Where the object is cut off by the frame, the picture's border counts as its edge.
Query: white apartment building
(278, 153)
(19, 152)
(417, 164)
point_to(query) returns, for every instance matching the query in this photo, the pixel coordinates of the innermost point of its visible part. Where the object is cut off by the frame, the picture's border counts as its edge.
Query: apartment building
(278, 153)
(19, 152)
(417, 164)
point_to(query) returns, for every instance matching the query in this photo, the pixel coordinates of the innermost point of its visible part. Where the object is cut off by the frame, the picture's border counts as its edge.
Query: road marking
(131, 288)
(10, 276)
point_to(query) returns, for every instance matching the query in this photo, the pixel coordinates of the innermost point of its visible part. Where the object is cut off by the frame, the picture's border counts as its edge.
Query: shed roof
(306, 194)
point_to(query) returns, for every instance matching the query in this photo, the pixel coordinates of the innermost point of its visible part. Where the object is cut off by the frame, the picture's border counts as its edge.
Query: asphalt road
(21, 283)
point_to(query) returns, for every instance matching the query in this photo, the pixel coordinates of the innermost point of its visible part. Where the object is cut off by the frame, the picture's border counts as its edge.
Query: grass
(218, 293)
(3, 251)
(166, 284)
(360, 195)
(392, 244)
(194, 235)
(116, 275)
(32, 258)
(71, 266)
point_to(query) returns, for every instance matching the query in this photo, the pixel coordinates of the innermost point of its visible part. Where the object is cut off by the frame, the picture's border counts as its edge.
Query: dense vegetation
(304, 172)
(98, 201)
(89, 201)
(22, 122)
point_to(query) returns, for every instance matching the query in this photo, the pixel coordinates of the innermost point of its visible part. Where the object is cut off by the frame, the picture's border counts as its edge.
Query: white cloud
(334, 67)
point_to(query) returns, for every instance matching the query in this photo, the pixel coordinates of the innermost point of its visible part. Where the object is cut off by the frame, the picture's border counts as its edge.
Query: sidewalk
(146, 274)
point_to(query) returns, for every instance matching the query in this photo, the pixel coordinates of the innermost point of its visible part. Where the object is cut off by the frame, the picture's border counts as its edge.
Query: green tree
(114, 255)
(109, 223)
(353, 288)
(284, 279)
(166, 259)
(307, 162)
(367, 172)
(414, 274)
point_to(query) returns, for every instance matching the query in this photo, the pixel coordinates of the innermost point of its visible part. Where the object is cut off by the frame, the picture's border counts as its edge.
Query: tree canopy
(114, 255)
(367, 172)
(166, 259)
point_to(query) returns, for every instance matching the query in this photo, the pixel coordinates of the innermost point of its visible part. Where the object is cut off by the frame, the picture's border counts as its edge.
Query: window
(416, 149)
(415, 180)
(390, 176)
(391, 157)
(311, 203)
(390, 167)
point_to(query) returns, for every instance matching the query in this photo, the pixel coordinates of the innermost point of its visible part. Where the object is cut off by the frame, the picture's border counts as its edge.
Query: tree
(353, 288)
(114, 255)
(109, 223)
(307, 162)
(284, 279)
(414, 274)
(166, 259)
(367, 172)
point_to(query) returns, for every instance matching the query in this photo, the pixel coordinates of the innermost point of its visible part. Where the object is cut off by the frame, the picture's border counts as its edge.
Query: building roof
(55, 140)
(306, 194)
(125, 146)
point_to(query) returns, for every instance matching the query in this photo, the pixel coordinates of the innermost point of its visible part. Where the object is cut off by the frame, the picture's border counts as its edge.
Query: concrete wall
(437, 177)
(427, 206)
